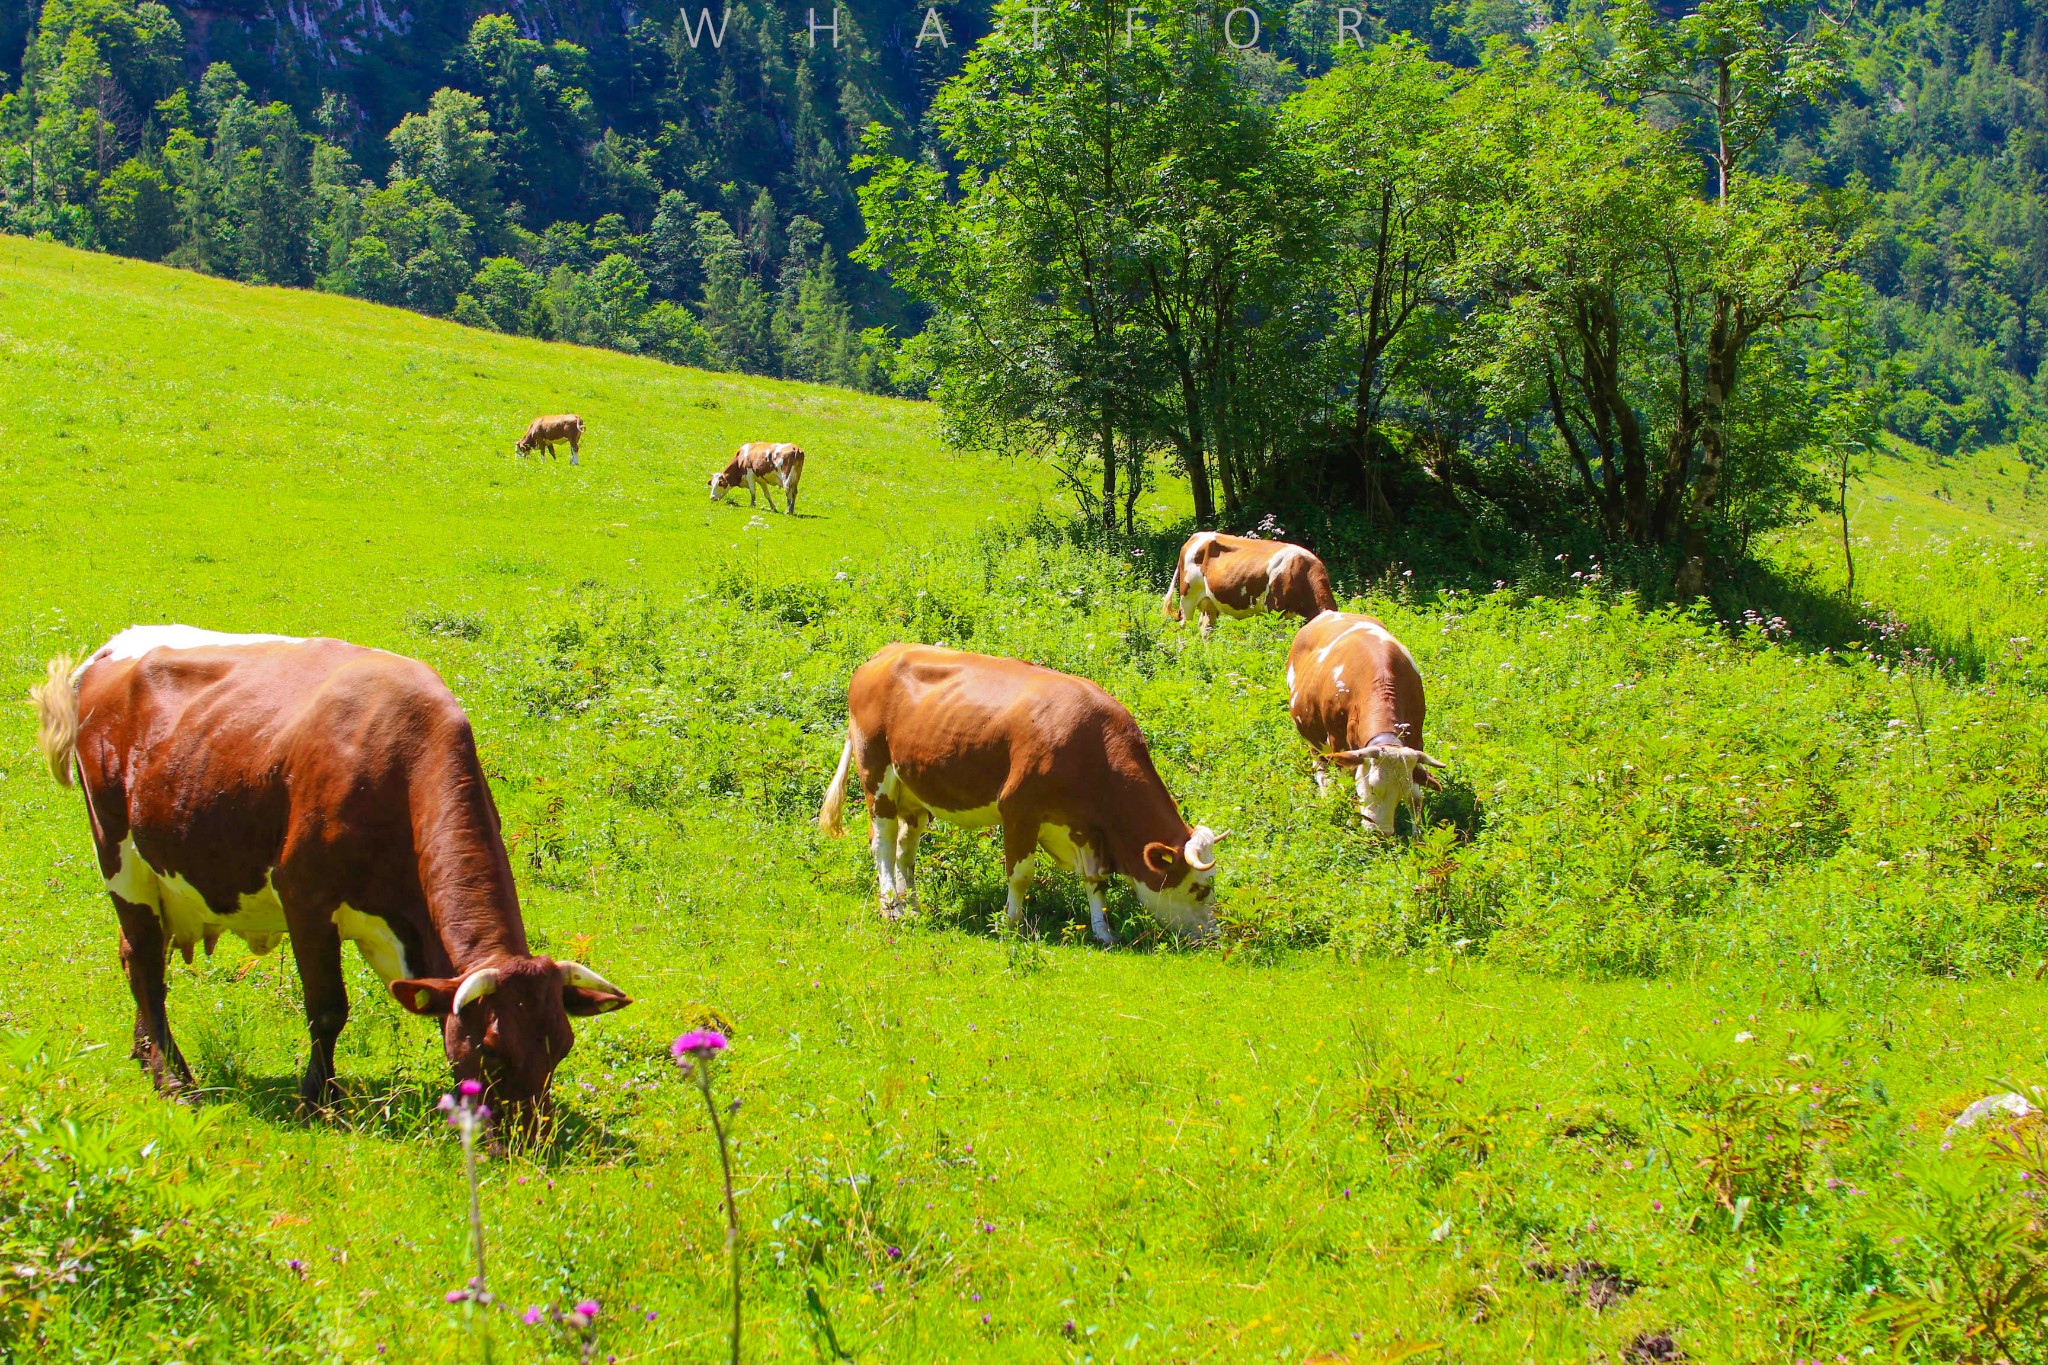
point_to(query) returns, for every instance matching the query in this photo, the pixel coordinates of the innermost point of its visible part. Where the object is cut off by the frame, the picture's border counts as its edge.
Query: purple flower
(650, 1315)
(588, 1308)
(296, 1266)
(702, 1044)
(457, 1296)
(895, 1252)
(531, 1317)
(471, 1089)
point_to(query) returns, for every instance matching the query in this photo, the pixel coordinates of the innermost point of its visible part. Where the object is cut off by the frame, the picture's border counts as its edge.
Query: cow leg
(882, 835)
(908, 832)
(1208, 620)
(143, 956)
(575, 445)
(768, 492)
(1020, 864)
(317, 949)
(1097, 920)
(1321, 769)
(789, 494)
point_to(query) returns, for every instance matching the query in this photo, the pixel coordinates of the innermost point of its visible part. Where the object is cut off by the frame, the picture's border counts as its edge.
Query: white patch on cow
(137, 641)
(374, 940)
(1060, 845)
(1290, 680)
(1279, 561)
(184, 914)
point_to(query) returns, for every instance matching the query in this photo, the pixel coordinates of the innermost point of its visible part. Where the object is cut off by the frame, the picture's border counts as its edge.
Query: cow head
(1187, 881)
(1389, 777)
(508, 1025)
(719, 485)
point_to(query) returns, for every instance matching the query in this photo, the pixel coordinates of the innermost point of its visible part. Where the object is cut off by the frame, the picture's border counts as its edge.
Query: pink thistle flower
(701, 1044)
(471, 1089)
(588, 1308)
(532, 1316)
(457, 1296)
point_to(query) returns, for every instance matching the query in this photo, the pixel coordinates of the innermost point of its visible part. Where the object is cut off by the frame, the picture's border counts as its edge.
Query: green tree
(1394, 173)
(450, 148)
(137, 211)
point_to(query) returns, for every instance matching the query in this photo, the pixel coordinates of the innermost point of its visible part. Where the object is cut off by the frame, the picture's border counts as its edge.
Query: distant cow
(762, 465)
(268, 787)
(1219, 575)
(548, 432)
(1356, 697)
(1053, 759)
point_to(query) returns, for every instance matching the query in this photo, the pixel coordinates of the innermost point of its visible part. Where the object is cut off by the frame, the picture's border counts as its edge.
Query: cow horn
(475, 986)
(1201, 848)
(576, 974)
(1428, 762)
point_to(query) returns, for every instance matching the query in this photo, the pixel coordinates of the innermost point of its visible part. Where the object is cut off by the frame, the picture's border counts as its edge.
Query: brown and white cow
(762, 465)
(1220, 575)
(272, 787)
(547, 432)
(1053, 759)
(1356, 697)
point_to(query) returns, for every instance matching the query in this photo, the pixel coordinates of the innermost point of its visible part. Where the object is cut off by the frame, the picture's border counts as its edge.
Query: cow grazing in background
(1219, 575)
(272, 787)
(762, 465)
(1053, 759)
(1356, 697)
(548, 432)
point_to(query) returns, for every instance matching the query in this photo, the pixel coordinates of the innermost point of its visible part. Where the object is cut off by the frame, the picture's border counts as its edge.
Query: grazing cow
(270, 787)
(1219, 575)
(1053, 759)
(762, 465)
(1356, 697)
(547, 432)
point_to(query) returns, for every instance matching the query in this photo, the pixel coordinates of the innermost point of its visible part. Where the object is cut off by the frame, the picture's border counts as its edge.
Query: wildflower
(895, 1253)
(532, 1316)
(588, 1308)
(699, 1044)
(456, 1296)
(296, 1266)
(1656, 1206)
(471, 1089)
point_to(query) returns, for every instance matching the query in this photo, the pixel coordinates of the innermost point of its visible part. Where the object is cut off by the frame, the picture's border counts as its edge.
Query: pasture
(1647, 1045)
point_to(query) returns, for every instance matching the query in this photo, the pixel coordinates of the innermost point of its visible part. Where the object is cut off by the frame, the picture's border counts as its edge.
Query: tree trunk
(1724, 353)
(1108, 474)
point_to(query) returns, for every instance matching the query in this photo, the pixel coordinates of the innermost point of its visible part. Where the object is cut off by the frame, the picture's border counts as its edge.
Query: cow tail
(830, 814)
(56, 703)
(1170, 607)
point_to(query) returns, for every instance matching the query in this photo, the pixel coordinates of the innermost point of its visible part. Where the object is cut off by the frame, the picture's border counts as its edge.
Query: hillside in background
(603, 173)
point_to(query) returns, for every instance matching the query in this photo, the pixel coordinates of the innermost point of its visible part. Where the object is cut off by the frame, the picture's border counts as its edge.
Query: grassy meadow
(1647, 1045)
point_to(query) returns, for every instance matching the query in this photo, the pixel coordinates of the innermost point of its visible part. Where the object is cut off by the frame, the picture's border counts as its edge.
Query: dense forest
(1679, 266)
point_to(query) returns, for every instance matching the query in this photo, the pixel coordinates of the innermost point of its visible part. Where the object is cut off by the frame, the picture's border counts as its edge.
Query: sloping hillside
(1646, 1044)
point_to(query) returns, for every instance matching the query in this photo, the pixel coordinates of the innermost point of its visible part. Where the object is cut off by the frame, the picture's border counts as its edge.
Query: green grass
(1415, 1090)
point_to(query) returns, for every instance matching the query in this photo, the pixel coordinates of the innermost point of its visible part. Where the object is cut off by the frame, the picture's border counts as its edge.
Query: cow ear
(429, 995)
(1425, 778)
(582, 1001)
(1160, 859)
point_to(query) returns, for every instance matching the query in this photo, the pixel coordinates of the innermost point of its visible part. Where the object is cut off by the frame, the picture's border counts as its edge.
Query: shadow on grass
(1527, 537)
(399, 1107)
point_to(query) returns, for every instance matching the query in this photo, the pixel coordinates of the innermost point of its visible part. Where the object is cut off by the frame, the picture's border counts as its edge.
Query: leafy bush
(117, 1237)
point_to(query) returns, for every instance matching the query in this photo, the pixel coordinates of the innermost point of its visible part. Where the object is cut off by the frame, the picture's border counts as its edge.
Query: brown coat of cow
(1220, 575)
(272, 787)
(1054, 759)
(547, 432)
(1355, 695)
(762, 465)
